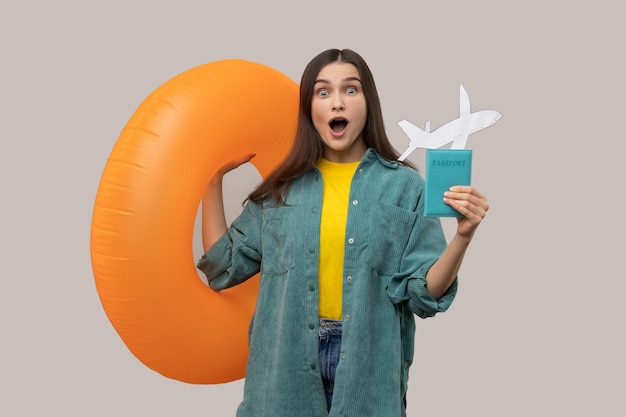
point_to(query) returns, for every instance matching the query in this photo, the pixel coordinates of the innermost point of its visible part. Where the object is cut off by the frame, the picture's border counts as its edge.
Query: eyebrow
(321, 80)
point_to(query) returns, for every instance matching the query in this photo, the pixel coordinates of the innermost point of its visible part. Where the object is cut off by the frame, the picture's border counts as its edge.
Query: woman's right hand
(236, 163)
(213, 217)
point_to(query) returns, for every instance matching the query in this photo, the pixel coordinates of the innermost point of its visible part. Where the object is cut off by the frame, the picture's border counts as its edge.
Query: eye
(322, 92)
(351, 91)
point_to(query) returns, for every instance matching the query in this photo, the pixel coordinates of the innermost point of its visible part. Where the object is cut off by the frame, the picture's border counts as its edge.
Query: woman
(346, 257)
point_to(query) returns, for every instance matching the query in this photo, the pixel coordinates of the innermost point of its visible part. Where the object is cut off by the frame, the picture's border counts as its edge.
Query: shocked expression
(339, 112)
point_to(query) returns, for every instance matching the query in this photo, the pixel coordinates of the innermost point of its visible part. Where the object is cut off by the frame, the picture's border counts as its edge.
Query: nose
(338, 104)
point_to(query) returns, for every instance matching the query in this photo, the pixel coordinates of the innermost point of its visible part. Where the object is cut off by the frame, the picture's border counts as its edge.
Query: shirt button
(351, 241)
(349, 278)
(313, 366)
(361, 171)
(347, 316)
(355, 202)
(343, 357)
(311, 249)
(311, 287)
(311, 326)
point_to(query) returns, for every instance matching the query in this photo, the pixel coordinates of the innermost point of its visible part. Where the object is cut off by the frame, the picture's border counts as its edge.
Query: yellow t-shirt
(337, 179)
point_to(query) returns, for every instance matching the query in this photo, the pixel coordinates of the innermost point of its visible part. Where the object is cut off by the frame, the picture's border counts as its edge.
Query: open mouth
(338, 125)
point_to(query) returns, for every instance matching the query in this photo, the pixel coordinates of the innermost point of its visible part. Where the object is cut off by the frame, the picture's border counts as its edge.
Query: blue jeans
(330, 350)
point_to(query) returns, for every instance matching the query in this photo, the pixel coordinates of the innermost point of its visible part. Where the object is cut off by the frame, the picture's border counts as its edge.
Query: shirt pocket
(391, 227)
(278, 241)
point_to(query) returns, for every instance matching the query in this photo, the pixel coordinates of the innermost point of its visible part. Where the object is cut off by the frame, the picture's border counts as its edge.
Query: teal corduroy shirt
(389, 248)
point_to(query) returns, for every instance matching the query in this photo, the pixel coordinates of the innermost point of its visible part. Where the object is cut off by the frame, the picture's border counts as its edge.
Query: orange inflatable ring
(146, 205)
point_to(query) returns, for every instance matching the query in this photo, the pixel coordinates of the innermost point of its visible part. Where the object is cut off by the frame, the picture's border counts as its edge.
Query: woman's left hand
(468, 201)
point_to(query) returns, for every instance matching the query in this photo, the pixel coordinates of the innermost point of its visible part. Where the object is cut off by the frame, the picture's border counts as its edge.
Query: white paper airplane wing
(464, 102)
(460, 142)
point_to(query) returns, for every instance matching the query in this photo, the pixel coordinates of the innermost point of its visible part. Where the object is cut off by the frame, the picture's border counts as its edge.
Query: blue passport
(445, 168)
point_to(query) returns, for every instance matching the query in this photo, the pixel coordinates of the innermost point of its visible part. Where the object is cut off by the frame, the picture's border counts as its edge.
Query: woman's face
(339, 112)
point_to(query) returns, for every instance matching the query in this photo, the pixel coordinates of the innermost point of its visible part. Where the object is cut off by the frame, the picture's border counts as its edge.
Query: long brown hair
(308, 146)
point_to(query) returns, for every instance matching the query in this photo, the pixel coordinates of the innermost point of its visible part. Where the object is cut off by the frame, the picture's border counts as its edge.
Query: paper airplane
(455, 131)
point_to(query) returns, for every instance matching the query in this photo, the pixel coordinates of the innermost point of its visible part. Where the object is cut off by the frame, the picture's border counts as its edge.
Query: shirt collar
(371, 155)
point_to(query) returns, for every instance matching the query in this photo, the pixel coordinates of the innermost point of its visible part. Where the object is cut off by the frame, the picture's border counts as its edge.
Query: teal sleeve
(236, 256)
(408, 285)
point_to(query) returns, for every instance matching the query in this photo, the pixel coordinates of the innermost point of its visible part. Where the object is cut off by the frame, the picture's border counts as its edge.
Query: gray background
(537, 328)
